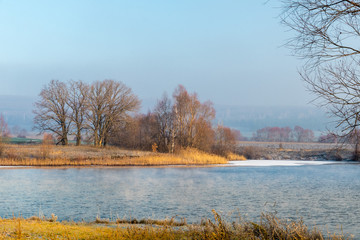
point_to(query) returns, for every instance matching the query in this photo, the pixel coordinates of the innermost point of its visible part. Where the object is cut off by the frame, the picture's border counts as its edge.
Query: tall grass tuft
(235, 157)
(194, 156)
(46, 146)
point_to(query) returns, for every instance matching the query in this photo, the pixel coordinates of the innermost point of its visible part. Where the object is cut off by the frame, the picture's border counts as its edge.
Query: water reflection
(325, 195)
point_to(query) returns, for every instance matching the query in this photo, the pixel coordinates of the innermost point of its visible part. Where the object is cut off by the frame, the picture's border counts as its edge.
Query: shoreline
(35, 156)
(106, 166)
(269, 153)
(88, 156)
(233, 163)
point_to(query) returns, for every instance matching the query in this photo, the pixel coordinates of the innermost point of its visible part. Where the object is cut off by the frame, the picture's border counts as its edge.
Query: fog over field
(17, 111)
(248, 119)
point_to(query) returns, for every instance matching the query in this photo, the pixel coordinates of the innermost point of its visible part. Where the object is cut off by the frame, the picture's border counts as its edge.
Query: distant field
(295, 145)
(24, 141)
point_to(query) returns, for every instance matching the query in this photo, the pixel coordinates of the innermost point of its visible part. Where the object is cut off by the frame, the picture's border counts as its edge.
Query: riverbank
(295, 151)
(89, 156)
(269, 227)
(57, 156)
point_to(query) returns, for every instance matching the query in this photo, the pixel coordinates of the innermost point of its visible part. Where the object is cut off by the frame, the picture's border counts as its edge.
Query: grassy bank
(49, 155)
(269, 227)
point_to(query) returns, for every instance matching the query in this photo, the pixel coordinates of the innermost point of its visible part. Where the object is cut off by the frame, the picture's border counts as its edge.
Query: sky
(230, 52)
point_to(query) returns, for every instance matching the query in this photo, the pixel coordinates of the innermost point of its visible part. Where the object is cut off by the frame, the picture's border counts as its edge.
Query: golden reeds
(36, 155)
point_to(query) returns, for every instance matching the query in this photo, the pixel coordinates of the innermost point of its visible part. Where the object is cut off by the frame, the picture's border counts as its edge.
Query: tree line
(284, 134)
(86, 111)
(105, 112)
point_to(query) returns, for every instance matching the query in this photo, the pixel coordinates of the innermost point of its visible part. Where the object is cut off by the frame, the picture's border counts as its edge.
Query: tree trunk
(78, 138)
(356, 152)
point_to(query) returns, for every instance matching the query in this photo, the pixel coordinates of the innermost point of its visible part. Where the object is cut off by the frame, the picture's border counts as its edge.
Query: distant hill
(17, 111)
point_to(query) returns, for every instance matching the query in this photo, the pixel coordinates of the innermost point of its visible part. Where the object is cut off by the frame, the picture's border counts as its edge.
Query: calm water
(324, 195)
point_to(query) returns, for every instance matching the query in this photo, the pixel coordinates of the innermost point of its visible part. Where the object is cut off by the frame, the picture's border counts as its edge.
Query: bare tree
(225, 140)
(188, 113)
(326, 29)
(180, 109)
(110, 102)
(203, 133)
(52, 112)
(126, 135)
(78, 102)
(328, 33)
(302, 135)
(23, 133)
(147, 131)
(4, 129)
(165, 122)
(19, 132)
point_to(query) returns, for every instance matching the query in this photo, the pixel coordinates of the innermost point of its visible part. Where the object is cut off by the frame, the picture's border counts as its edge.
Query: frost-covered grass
(294, 145)
(271, 163)
(295, 151)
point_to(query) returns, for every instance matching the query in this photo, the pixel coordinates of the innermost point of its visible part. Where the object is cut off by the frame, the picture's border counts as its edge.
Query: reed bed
(269, 227)
(55, 156)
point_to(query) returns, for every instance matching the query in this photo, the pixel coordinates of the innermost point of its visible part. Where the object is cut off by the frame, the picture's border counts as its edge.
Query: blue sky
(227, 51)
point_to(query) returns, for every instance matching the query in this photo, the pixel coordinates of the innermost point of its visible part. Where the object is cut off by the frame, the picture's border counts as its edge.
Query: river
(324, 195)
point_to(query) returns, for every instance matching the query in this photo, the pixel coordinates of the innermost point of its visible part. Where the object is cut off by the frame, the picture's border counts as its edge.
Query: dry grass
(165, 222)
(33, 155)
(233, 157)
(193, 156)
(269, 227)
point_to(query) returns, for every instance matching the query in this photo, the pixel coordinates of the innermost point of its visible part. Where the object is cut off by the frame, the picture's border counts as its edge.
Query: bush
(252, 152)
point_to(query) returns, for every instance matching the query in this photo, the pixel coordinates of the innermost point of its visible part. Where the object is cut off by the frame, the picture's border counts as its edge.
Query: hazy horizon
(17, 111)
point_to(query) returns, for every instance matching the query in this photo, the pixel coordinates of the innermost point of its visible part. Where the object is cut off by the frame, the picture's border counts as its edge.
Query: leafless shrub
(252, 152)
